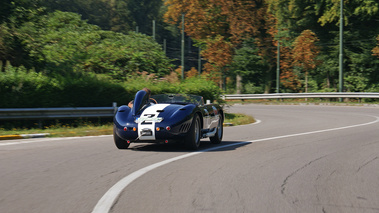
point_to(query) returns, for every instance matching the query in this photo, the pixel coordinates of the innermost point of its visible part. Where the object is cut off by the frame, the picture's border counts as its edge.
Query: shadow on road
(178, 147)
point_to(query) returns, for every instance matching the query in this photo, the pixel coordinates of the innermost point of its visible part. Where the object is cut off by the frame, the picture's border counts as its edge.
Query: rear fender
(122, 115)
(184, 113)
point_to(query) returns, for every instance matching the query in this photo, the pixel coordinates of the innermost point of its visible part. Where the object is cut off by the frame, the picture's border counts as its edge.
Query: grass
(238, 119)
(89, 129)
(64, 130)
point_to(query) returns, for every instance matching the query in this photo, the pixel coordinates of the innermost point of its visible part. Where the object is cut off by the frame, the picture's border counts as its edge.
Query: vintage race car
(168, 118)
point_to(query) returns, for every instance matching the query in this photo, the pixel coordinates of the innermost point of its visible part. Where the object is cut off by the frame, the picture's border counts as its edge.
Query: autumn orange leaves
(218, 26)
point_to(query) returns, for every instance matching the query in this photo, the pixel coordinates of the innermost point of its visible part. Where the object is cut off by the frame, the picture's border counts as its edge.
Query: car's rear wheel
(192, 141)
(120, 143)
(220, 131)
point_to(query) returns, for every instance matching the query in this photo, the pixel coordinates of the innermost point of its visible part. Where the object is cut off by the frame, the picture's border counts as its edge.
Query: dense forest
(76, 50)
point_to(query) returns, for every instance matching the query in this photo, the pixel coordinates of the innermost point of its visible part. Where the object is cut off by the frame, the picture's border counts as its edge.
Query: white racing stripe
(150, 112)
(110, 197)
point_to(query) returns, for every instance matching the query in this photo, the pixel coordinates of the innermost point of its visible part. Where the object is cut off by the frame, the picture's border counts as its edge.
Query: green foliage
(195, 85)
(250, 66)
(322, 17)
(109, 15)
(156, 85)
(143, 12)
(251, 88)
(200, 86)
(44, 44)
(22, 88)
(123, 55)
(58, 40)
(61, 42)
(247, 62)
(356, 83)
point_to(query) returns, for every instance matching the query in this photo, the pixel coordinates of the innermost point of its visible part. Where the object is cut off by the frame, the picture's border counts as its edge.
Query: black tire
(219, 133)
(120, 143)
(192, 140)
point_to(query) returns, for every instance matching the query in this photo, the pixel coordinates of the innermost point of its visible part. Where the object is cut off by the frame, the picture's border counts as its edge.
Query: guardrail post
(114, 105)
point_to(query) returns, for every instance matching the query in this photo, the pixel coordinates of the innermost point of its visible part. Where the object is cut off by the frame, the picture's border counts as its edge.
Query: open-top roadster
(168, 118)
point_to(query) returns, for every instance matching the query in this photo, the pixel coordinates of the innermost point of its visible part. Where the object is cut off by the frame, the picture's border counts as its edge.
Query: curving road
(297, 159)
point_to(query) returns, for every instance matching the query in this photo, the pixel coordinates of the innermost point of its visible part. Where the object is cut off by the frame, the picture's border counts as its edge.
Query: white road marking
(110, 197)
(106, 202)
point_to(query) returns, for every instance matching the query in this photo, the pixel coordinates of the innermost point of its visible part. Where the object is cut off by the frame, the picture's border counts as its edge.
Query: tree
(143, 12)
(5, 10)
(62, 43)
(58, 41)
(13, 15)
(109, 15)
(305, 52)
(219, 54)
(353, 10)
(288, 78)
(322, 17)
(249, 65)
(218, 26)
(375, 51)
(123, 55)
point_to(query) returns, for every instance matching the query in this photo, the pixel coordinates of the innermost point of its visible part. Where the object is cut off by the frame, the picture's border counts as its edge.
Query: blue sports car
(168, 118)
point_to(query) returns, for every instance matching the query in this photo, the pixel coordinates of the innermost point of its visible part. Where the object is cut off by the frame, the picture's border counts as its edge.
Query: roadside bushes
(194, 85)
(200, 86)
(22, 88)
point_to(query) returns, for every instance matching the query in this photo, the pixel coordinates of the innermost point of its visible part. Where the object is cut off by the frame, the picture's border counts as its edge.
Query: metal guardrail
(56, 113)
(358, 95)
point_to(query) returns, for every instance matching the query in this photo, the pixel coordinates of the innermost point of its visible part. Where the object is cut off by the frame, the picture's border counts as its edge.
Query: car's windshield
(178, 99)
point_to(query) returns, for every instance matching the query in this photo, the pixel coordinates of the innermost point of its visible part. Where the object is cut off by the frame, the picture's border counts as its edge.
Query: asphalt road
(296, 159)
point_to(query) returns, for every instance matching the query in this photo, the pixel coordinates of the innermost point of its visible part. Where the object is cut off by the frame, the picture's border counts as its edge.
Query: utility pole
(164, 46)
(341, 50)
(278, 64)
(199, 62)
(182, 45)
(278, 67)
(154, 29)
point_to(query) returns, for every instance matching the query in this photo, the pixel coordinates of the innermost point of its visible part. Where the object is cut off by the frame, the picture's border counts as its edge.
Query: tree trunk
(268, 80)
(239, 84)
(327, 80)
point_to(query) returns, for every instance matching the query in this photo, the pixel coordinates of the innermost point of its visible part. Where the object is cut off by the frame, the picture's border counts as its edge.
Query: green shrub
(200, 86)
(20, 88)
(195, 85)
